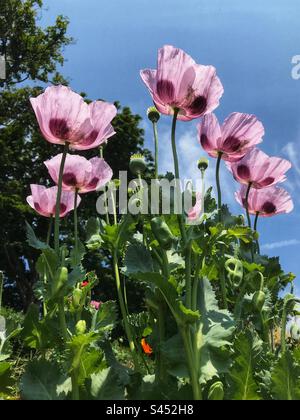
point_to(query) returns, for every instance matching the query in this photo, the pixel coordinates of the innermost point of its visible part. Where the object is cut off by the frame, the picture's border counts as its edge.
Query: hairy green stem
(188, 276)
(58, 200)
(62, 319)
(155, 133)
(247, 204)
(105, 195)
(255, 229)
(123, 310)
(114, 207)
(177, 174)
(203, 190)
(191, 364)
(75, 387)
(76, 223)
(223, 288)
(218, 166)
(50, 226)
(196, 282)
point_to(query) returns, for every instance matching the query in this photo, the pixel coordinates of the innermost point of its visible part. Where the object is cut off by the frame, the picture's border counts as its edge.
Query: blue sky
(250, 43)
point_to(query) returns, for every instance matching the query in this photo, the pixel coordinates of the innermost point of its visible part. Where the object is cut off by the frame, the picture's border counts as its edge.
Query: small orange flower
(146, 347)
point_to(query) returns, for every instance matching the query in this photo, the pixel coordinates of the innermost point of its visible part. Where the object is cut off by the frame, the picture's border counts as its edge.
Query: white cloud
(280, 244)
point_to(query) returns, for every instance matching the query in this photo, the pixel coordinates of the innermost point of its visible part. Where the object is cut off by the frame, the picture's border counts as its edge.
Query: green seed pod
(258, 300)
(76, 298)
(162, 233)
(80, 327)
(216, 392)
(235, 270)
(94, 243)
(241, 219)
(153, 114)
(203, 164)
(295, 332)
(137, 164)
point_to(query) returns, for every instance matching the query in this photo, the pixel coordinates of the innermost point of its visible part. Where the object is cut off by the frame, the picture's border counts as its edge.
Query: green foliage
(214, 335)
(41, 380)
(286, 379)
(31, 52)
(244, 386)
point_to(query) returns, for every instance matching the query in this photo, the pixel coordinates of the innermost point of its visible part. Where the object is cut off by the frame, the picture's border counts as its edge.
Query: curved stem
(58, 200)
(155, 133)
(247, 205)
(219, 184)
(177, 174)
(255, 228)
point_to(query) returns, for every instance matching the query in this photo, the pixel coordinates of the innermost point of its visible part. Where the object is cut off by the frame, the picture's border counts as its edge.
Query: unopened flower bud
(80, 327)
(153, 114)
(203, 164)
(258, 300)
(137, 164)
(76, 298)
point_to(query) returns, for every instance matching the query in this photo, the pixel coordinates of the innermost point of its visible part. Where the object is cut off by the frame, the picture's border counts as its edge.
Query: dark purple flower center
(231, 144)
(267, 181)
(91, 138)
(93, 183)
(204, 141)
(165, 90)
(268, 208)
(59, 128)
(70, 179)
(198, 106)
(37, 207)
(63, 208)
(243, 172)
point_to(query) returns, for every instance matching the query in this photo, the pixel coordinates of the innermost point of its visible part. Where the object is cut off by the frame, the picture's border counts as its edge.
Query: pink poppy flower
(64, 117)
(234, 139)
(267, 202)
(180, 83)
(259, 169)
(196, 212)
(79, 173)
(96, 305)
(43, 201)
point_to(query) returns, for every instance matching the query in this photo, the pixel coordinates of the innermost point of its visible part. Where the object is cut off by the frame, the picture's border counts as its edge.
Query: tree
(30, 52)
(34, 53)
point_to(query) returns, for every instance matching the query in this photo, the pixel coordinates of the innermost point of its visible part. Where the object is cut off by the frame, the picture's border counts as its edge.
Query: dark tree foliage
(34, 53)
(31, 52)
